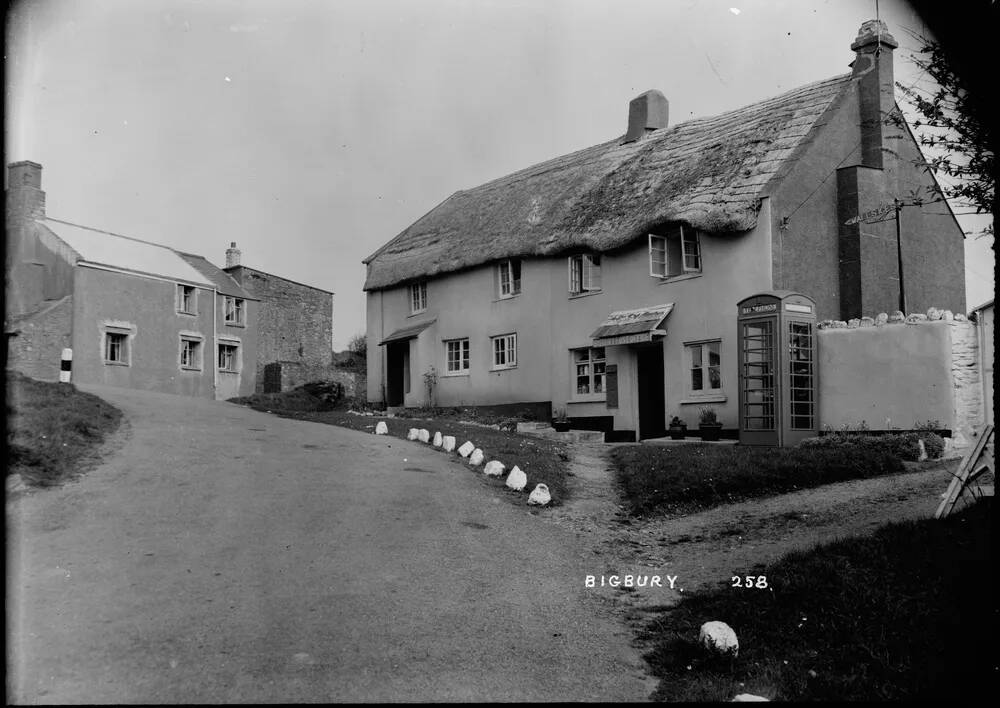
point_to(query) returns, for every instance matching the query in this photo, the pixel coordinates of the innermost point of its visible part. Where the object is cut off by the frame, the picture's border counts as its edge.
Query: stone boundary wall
(897, 372)
(36, 349)
(291, 374)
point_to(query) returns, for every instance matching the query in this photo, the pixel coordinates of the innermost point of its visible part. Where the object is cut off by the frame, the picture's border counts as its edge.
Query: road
(226, 555)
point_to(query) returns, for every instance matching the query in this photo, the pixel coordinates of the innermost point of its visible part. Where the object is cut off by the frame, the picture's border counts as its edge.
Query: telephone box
(777, 368)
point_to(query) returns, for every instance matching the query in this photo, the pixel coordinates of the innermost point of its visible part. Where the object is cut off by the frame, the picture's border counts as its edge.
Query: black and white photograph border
(498, 351)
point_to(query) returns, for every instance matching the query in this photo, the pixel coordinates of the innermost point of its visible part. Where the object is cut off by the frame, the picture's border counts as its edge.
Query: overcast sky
(313, 131)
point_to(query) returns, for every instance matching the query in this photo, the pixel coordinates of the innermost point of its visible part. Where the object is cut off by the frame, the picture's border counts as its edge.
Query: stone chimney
(24, 190)
(872, 68)
(233, 255)
(646, 112)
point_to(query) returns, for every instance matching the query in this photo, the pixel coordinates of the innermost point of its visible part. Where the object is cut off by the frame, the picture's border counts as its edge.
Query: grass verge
(894, 616)
(684, 479)
(52, 427)
(543, 461)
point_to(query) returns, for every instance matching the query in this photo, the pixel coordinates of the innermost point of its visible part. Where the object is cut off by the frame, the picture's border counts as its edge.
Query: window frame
(124, 350)
(418, 291)
(681, 253)
(580, 280)
(591, 362)
(513, 267)
(182, 292)
(464, 356)
(239, 308)
(197, 355)
(237, 356)
(509, 351)
(705, 368)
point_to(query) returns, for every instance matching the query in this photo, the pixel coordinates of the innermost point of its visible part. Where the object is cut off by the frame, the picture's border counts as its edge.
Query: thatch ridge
(707, 172)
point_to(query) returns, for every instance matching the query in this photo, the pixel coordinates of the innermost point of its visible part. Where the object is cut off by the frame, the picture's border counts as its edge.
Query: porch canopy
(632, 326)
(411, 332)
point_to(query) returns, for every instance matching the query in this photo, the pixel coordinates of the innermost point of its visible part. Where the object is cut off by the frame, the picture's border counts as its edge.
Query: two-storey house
(605, 282)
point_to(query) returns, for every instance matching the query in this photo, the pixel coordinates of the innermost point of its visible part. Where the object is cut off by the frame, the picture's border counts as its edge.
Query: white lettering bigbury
(628, 581)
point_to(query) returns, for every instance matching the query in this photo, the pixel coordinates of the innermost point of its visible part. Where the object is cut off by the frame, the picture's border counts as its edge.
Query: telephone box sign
(754, 309)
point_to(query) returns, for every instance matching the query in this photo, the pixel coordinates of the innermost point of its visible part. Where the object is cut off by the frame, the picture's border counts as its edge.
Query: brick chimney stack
(24, 190)
(233, 255)
(646, 112)
(872, 68)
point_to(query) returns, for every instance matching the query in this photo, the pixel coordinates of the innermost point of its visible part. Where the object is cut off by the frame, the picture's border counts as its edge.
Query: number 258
(750, 581)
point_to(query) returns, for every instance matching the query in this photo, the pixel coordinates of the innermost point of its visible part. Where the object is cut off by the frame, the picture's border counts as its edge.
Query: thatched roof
(708, 172)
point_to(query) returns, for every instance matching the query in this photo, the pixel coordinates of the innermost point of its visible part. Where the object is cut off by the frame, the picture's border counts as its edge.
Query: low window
(589, 367)
(674, 252)
(116, 348)
(584, 273)
(705, 362)
(190, 353)
(457, 354)
(504, 351)
(229, 355)
(418, 297)
(508, 278)
(235, 307)
(185, 299)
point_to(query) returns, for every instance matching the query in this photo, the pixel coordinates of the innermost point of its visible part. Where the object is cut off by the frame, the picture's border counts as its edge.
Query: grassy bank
(544, 461)
(52, 428)
(905, 614)
(684, 479)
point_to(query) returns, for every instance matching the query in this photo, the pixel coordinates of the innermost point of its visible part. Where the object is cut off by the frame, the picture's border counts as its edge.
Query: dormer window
(584, 273)
(418, 297)
(508, 278)
(676, 251)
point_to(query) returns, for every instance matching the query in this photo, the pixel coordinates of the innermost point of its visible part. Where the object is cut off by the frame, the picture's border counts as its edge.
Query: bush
(904, 446)
(358, 346)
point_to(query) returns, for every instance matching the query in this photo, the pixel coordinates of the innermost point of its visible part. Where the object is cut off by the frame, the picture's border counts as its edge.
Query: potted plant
(559, 420)
(678, 429)
(709, 425)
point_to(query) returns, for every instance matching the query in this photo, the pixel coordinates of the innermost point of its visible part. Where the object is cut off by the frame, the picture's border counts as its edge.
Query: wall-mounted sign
(872, 215)
(754, 309)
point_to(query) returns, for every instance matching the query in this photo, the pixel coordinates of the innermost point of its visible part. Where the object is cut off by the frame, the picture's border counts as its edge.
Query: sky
(311, 132)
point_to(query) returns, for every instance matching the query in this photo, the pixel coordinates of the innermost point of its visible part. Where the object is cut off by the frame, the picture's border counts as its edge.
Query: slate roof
(708, 172)
(223, 282)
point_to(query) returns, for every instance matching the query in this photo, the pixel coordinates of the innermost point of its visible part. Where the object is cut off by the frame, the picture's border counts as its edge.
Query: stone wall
(970, 414)
(286, 375)
(36, 348)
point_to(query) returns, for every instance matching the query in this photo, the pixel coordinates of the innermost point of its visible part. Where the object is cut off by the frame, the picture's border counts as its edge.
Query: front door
(649, 361)
(397, 356)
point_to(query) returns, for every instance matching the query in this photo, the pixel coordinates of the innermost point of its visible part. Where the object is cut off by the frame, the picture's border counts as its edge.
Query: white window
(457, 353)
(190, 353)
(229, 358)
(705, 364)
(504, 351)
(584, 273)
(116, 348)
(588, 370)
(418, 297)
(185, 299)
(234, 310)
(675, 252)
(509, 278)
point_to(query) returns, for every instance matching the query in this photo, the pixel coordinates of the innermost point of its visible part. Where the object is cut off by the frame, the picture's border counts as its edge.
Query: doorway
(396, 369)
(649, 374)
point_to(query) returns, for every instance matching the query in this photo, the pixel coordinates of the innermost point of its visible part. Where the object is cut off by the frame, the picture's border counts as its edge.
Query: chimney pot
(646, 112)
(233, 255)
(873, 33)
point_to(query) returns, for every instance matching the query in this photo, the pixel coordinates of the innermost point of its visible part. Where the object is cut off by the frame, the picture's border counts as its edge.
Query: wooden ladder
(965, 475)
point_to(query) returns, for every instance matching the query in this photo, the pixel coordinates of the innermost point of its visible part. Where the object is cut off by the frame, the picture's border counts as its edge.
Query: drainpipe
(215, 345)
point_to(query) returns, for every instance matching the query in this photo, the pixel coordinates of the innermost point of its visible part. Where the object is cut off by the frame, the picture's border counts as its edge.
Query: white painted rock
(718, 638)
(437, 440)
(494, 468)
(412, 435)
(540, 495)
(477, 456)
(748, 698)
(381, 428)
(923, 450)
(866, 322)
(466, 449)
(424, 435)
(448, 443)
(948, 316)
(897, 316)
(933, 313)
(517, 479)
(880, 320)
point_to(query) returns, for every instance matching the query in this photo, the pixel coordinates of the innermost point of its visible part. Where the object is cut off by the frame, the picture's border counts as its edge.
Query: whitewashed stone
(825, 324)
(466, 449)
(897, 317)
(948, 316)
(923, 450)
(880, 319)
(437, 440)
(718, 638)
(424, 435)
(933, 313)
(381, 428)
(961, 318)
(448, 443)
(915, 317)
(838, 324)
(866, 322)
(412, 435)
(853, 323)
(540, 495)
(476, 458)
(494, 468)
(749, 698)
(517, 480)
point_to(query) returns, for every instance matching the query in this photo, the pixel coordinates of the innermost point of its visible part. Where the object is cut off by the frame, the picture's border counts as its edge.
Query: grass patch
(687, 478)
(51, 427)
(894, 616)
(543, 461)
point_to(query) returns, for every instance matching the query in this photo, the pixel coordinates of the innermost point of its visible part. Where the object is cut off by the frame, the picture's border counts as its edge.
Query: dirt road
(225, 555)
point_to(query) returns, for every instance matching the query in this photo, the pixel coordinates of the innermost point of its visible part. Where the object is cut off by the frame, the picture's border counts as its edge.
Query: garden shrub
(904, 446)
